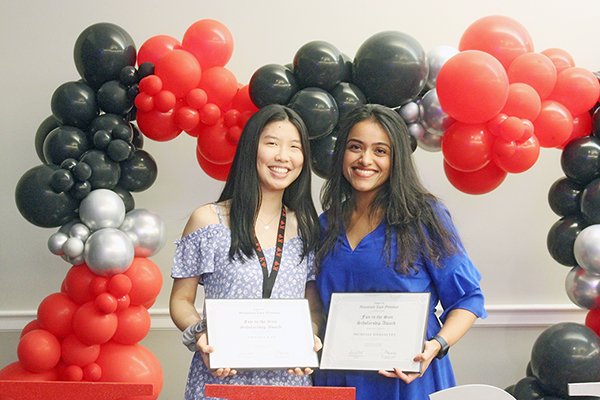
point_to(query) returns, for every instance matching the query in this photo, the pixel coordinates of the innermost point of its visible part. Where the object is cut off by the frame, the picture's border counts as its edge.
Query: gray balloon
(108, 252)
(587, 249)
(73, 247)
(416, 130)
(56, 242)
(583, 288)
(102, 208)
(436, 58)
(80, 231)
(409, 112)
(430, 142)
(146, 230)
(434, 119)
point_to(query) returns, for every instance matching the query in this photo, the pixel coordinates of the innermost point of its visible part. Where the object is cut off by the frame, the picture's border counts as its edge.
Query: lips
(365, 173)
(279, 170)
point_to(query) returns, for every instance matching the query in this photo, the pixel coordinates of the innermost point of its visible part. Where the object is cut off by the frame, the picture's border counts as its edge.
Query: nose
(282, 154)
(366, 158)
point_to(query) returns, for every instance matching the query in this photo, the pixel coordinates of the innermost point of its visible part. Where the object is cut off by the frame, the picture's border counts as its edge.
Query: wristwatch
(444, 350)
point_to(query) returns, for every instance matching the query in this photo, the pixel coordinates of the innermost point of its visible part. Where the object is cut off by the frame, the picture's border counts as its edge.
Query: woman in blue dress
(267, 190)
(384, 232)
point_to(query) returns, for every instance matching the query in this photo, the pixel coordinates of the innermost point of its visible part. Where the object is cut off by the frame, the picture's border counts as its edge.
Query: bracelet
(188, 336)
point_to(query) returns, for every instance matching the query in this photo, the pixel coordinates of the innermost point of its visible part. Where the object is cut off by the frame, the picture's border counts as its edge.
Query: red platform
(53, 390)
(241, 392)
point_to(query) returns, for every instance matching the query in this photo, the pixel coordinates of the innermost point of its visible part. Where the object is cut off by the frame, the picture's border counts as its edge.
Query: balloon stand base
(55, 390)
(243, 392)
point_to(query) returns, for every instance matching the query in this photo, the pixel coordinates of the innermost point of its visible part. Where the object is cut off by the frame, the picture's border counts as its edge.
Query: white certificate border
(331, 361)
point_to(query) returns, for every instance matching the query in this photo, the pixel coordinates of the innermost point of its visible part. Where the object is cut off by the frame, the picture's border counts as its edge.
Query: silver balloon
(146, 230)
(66, 228)
(73, 247)
(430, 142)
(436, 58)
(587, 249)
(80, 231)
(583, 288)
(416, 130)
(434, 119)
(56, 242)
(409, 112)
(102, 208)
(108, 252)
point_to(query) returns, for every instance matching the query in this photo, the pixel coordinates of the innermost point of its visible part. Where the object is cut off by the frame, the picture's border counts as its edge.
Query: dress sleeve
(195, 254)
(310, 267)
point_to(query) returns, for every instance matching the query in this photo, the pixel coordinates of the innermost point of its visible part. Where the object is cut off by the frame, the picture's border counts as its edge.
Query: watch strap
(445, 347)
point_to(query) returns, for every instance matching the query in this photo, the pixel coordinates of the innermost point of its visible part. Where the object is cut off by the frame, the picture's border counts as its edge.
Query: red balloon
(525, 155)
(134, 325)
(582, 126)
(99, 285)
(55, 314)
(554, 125)
(467, 147)
(502, 37)
(77, 283)
(179, 71)
(536, 70)
(196, 98)
(577, 89)
(158, 126)
(592, 320)
(73, 373)
(32, 325)
(92, 326)
(106, 302)
(75, 352)
(92, 372)
(17, 372)
(165, 101)
(210, 114)
(151, 85)
(187, 118)
(523, 102)
(215, 171)
(131, 363)
(504, 148)
(481, 181)
(242, 101)
(119, 285)
(155, 47)
(220, 84)
(146, 280)
(38, 351)
(512, 129)
(214, 145)
(560, 58)
(472, 87)
(210, 42)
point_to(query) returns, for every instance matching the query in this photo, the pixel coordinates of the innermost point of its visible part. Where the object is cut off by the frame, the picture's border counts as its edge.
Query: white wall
(504, 231)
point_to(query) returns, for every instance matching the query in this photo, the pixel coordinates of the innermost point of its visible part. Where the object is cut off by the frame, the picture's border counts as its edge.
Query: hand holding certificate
(260, 333)
(375, 331)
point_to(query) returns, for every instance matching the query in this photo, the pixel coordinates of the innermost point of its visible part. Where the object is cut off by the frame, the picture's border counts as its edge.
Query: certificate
(375, 331)
(260, 333)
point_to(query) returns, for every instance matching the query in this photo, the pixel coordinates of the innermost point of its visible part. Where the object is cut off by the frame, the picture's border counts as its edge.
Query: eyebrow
(376, 143)
(278, 138)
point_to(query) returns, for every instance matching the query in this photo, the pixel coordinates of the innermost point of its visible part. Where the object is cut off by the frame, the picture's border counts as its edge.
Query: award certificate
(260, 333)
(375, 331)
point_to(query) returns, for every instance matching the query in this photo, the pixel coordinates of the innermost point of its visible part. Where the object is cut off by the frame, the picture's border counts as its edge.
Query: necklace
(268, 223)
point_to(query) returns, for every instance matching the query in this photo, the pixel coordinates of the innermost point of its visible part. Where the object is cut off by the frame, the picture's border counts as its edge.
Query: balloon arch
(488, 106)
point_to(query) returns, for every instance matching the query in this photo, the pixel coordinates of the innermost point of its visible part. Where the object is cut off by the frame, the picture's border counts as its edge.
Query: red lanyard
(269, 279)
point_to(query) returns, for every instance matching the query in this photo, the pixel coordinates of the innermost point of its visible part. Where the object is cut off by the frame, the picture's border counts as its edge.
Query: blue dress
(364, 269)
(205, 253)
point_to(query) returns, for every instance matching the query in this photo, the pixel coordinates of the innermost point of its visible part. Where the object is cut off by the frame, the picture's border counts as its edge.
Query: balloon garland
(488, 106)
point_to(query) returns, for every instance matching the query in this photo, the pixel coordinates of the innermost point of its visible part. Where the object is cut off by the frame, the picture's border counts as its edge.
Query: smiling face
(367, 157)
(280, 158)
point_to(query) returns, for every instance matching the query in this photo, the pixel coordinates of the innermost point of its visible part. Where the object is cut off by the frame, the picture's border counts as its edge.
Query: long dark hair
(243, 185)
(408, 208)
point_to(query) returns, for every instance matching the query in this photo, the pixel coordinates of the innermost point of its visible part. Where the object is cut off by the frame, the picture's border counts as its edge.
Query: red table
(241, 392)
(54, 390)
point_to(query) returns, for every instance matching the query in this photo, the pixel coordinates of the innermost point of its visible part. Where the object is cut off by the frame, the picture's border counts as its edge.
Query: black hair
(243, 185)
(407, 207)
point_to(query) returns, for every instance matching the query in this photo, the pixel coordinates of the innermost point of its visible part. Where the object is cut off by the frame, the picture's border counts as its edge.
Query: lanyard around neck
(269, 279)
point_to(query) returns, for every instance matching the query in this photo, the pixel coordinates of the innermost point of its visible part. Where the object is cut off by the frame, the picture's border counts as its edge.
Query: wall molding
(499, 316)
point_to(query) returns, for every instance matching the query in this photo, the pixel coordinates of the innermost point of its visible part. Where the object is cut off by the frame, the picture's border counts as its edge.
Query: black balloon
(580, 159)
(74, 104)
(105, 171)
(596, 122)
(47, 126)
(138, 138)
(119, 150)
(272, 84)
(126, 196)
(390, 68)
(145, 69)
(101, 51)
(139, 172)
(129, 76)
(561, 238)
(321, 154)
(65, 142)
(565, 353)
(564, 197)
(318, 110)
(61, 181)
(347, 97)
(80, 190)
(347, 71)
(318, 64)
(112, 98)
(528, 389)
(108, 122)
(590, 202)
(39, 204)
